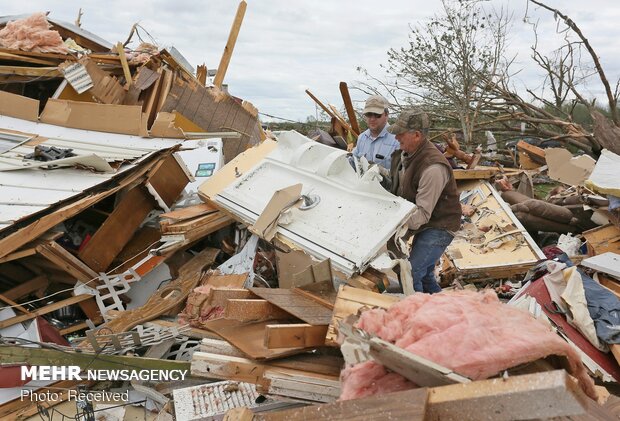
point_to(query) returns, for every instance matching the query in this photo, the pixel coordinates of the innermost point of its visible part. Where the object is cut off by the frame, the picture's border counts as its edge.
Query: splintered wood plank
(245, 310)
(230, 44)
(117, 230)
(419, 370)
(188, 224)
(299, 306)
(530, 396)
(249, 337)
(349, 301)
(56, 254)
(298, 335)
(188, 212)
(409, 405)
(308, 388)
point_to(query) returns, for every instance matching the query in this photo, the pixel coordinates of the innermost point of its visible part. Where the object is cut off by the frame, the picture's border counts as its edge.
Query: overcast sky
(287, 46)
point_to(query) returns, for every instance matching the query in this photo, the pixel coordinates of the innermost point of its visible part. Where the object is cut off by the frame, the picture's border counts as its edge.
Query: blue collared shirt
(383, 145)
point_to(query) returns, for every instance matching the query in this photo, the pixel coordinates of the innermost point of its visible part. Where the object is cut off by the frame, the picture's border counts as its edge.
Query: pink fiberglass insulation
(471, 333)
(32, 34)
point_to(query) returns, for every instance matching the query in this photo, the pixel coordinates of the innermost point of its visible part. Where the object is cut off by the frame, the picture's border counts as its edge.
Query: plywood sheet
(299, 306)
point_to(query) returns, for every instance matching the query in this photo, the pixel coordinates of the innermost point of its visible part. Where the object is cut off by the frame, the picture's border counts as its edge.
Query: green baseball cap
(409, 120)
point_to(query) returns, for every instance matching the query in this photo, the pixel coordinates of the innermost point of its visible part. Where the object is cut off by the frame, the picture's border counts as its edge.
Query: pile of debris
(158, 247)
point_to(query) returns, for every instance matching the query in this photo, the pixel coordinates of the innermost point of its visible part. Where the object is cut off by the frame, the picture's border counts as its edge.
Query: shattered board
(211, 401)
(352, 219)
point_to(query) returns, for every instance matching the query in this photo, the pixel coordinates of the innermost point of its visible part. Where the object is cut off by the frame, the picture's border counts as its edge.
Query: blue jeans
(428, 246)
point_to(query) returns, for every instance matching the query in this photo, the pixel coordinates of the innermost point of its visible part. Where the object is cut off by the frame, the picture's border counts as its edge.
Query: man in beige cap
(422, 175)
(375, 143)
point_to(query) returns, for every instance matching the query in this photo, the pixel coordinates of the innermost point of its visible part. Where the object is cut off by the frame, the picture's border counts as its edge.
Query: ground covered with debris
(162, 257)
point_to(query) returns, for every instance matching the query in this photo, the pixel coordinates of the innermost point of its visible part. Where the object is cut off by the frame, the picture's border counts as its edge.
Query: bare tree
(612, 96)
(446, 61)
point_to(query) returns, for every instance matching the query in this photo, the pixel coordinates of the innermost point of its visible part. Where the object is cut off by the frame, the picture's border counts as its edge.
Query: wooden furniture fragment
(603, 239)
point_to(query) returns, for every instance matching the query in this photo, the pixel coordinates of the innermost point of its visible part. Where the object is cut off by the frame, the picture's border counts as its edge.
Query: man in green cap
(422, 175)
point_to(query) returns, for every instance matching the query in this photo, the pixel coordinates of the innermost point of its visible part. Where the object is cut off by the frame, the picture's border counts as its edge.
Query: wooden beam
(534, 152)
(300, 335)
(540, 395)
(532, 396)
(348, 105)
(56, 254)
(19, 254)
(30, 71)
(44, 310)
(329, 112)
(230, 45)
(475, 174)
(121, 55)
(13, 304)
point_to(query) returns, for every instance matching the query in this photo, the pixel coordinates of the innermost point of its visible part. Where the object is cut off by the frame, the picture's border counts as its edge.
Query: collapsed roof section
(352, 217)
(26, 190)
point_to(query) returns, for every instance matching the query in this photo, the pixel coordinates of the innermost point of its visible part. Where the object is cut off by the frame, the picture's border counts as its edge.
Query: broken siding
(214, 111)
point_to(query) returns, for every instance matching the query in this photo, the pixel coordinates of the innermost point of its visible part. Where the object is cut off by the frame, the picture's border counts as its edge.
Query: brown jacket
(447, 212)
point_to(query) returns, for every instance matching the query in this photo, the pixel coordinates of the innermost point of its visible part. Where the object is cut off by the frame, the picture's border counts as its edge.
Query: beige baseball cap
(376, 104)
